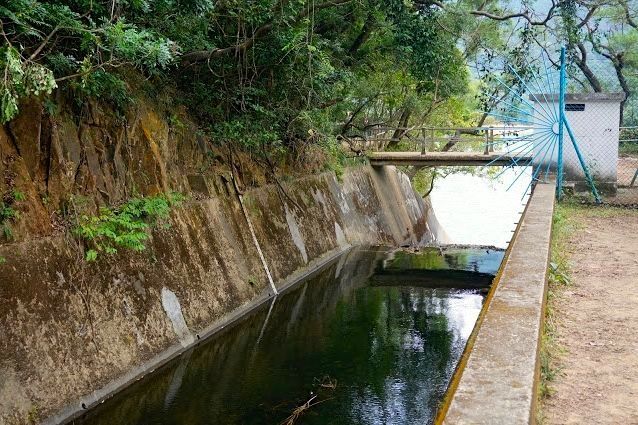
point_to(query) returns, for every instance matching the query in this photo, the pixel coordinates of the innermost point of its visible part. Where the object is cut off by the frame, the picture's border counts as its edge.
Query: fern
(124, 227)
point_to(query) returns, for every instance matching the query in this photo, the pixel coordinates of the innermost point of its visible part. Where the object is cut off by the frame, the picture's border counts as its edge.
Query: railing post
(423, 136)
(491, 139)
(487, 142)
(432, 136)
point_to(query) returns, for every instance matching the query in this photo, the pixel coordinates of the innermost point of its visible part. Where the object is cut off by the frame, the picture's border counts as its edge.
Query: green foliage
(125, 226)
(20, 79)
(292, 85)
(336, 160)
(8, 213)
(47, 42)
(628, 148)
(105, 86)
(140, 47)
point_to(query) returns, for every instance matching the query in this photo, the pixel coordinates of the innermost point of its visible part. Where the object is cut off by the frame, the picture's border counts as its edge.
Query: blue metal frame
(561, 122)
(548, 122)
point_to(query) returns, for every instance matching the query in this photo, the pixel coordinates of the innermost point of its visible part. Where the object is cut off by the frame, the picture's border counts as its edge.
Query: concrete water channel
(374, 337)
(441, 335)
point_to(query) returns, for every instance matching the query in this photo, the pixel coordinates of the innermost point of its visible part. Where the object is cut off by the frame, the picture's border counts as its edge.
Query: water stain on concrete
(296, 234)
(341, 237)
(174, 313)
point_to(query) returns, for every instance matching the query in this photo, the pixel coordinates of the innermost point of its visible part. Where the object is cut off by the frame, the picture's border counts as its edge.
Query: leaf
(91, 255)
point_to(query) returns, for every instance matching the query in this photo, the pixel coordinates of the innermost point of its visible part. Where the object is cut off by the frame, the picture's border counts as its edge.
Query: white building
(595, 121)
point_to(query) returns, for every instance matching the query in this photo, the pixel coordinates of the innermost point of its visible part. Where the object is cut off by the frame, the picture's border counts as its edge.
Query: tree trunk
(586, 70)
(402, 127)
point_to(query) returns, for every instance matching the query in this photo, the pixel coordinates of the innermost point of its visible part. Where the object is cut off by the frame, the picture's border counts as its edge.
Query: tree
(593, 31)
(268, 74)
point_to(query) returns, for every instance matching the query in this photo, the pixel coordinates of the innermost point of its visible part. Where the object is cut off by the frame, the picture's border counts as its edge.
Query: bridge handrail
(375, 137)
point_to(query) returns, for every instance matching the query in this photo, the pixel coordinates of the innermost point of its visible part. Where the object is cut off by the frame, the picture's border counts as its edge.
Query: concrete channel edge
(497, 377)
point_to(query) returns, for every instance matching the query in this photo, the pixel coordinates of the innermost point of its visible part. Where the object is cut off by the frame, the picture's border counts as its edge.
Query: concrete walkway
(497, 385)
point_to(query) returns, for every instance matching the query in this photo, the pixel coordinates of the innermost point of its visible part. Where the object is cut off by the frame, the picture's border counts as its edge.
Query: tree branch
(586, 70)
(625, 5)
(44, 42)
(587, 18)
(523, 15)
(205, 55)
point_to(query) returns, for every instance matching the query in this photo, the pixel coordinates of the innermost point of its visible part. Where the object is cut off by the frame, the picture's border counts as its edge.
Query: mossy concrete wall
(71, 333)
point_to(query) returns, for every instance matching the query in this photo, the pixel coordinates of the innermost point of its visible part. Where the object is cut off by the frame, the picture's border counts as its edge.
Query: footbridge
(447, 158)
(446, 146)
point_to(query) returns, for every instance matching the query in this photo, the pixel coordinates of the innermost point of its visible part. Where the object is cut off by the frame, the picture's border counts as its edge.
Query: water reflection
(478, 209)
(391, 351)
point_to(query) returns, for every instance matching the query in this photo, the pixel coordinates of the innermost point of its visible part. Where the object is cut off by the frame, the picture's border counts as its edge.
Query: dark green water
(390, 350)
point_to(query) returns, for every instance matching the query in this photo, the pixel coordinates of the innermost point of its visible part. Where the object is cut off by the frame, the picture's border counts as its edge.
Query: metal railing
(484, 139)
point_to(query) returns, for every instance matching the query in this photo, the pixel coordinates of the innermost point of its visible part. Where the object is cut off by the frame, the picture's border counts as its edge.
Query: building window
(575, 107)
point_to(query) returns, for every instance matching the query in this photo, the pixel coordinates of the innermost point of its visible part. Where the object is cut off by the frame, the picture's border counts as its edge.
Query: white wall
(597, 132)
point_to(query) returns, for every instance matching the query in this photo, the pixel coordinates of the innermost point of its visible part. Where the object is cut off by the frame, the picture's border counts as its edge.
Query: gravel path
(598, 324)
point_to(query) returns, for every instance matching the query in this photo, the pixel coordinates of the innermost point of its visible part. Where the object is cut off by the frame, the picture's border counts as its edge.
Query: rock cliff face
(63, 162)
(72, 332)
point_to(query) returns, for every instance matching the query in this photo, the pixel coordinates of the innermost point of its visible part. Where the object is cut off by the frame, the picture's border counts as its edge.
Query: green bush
(125, 226)
(106, 87)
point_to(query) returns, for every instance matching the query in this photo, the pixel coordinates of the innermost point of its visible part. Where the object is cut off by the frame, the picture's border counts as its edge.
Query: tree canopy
(281, 72)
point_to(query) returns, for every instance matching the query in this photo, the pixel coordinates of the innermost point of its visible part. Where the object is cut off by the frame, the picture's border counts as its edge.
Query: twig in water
(298, 411)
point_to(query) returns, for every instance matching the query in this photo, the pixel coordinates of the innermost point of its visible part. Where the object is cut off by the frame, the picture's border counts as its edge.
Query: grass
(564, 224)
(628, 148)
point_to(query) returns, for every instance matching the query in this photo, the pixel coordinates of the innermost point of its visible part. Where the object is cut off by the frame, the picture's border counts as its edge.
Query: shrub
(125, 226)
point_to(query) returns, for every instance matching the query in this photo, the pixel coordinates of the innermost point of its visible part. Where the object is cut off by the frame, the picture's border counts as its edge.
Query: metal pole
(588, 176)
(487, 142)
(561, 122)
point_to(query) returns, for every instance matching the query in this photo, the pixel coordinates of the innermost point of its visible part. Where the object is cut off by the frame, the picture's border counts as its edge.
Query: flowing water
(363, 351)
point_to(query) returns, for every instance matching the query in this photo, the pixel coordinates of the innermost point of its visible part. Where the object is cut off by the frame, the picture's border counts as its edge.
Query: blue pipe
(561, 122)
(588, 176)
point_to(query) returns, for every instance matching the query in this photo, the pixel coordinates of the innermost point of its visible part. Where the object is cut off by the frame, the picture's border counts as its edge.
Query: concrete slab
(497, 385)
(445, 158)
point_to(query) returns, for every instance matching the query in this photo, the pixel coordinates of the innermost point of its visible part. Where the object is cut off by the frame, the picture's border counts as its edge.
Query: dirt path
(597, 323)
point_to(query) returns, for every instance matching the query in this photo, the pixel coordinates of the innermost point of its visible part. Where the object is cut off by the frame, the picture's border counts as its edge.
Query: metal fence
(608, 132)
(628, 157)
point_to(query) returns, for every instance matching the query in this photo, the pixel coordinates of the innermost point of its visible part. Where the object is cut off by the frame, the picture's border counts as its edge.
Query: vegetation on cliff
(287, 84)
(278, 74)
(125, 226)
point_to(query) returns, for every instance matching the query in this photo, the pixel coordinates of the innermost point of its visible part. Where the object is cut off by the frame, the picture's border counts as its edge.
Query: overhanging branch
(205, 55)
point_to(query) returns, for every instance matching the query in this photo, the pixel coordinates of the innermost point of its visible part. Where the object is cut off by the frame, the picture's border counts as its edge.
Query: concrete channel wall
(496, 382)
(72, 333)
